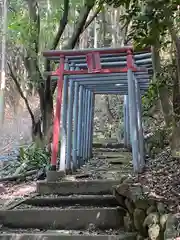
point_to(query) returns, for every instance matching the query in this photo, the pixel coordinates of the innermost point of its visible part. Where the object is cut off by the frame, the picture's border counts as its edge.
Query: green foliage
(164, 79)
(118, 3)
(150, 97)
(149, 18)
(18, 27)
(34, 156)
(157, 142)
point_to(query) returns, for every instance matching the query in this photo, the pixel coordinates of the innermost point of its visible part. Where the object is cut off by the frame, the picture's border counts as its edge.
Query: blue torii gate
(82, 74)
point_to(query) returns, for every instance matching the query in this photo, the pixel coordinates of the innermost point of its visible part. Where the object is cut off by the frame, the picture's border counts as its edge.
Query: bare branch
(80, 25)
(62, 25)
(78, 30)
(14, 77)
(91, 19)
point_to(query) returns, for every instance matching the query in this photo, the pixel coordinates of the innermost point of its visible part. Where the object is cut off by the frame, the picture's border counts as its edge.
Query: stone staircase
(69, 209)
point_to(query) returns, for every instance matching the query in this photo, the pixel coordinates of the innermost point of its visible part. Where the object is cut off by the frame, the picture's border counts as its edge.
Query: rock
(142, 204)
(128, 180)
(161, 208)
(41, 175)
(129, 205)
(123, 189)
(120, 199)
(163, 220)
(131, 191)
(172, 227)
(139, 217)
(136, 192)
(146, 190)
(123, 178)
(139, 237)
(128, 223)
(151, 209)
(152, 218)
(152, 202)
(154, 231)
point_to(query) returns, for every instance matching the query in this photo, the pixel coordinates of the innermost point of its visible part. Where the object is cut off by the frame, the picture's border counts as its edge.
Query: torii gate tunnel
(82, 74)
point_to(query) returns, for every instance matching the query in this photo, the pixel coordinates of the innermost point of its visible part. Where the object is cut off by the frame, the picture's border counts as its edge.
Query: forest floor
(12, 192)
(161, 177)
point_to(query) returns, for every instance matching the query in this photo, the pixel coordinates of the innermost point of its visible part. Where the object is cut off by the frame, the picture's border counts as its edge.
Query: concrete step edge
(76, 219)
(56, 209)
(83, 200)
(83, 187)
(35, 236)
(84, 181)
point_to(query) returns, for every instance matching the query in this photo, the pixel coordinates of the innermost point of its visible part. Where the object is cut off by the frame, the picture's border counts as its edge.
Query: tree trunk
(175, 138)
(95, 34)
(114, 30)
(3, 6)
(163, 90)
(108, 109)
(103, 29)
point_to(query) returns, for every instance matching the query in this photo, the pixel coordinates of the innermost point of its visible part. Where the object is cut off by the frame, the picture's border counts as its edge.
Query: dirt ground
(12, 192)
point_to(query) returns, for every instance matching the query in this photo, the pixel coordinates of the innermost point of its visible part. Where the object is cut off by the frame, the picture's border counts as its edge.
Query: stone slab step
(108, 145)
(54, 218)
(82, 200)
(103, 150)
(85, 187)
(50, 236)
(123, 156)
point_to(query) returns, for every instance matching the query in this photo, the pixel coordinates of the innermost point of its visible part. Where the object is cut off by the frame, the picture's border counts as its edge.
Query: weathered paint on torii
(82, 74)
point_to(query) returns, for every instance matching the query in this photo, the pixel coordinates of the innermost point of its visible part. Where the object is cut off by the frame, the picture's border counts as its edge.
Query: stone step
(55, 218)
(84, 187)
(104, 150)
(82, 200)
(108, 145)
(119, 155)
(57, 236)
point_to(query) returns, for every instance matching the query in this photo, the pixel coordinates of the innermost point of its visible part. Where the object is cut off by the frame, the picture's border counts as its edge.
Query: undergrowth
(35, 156)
